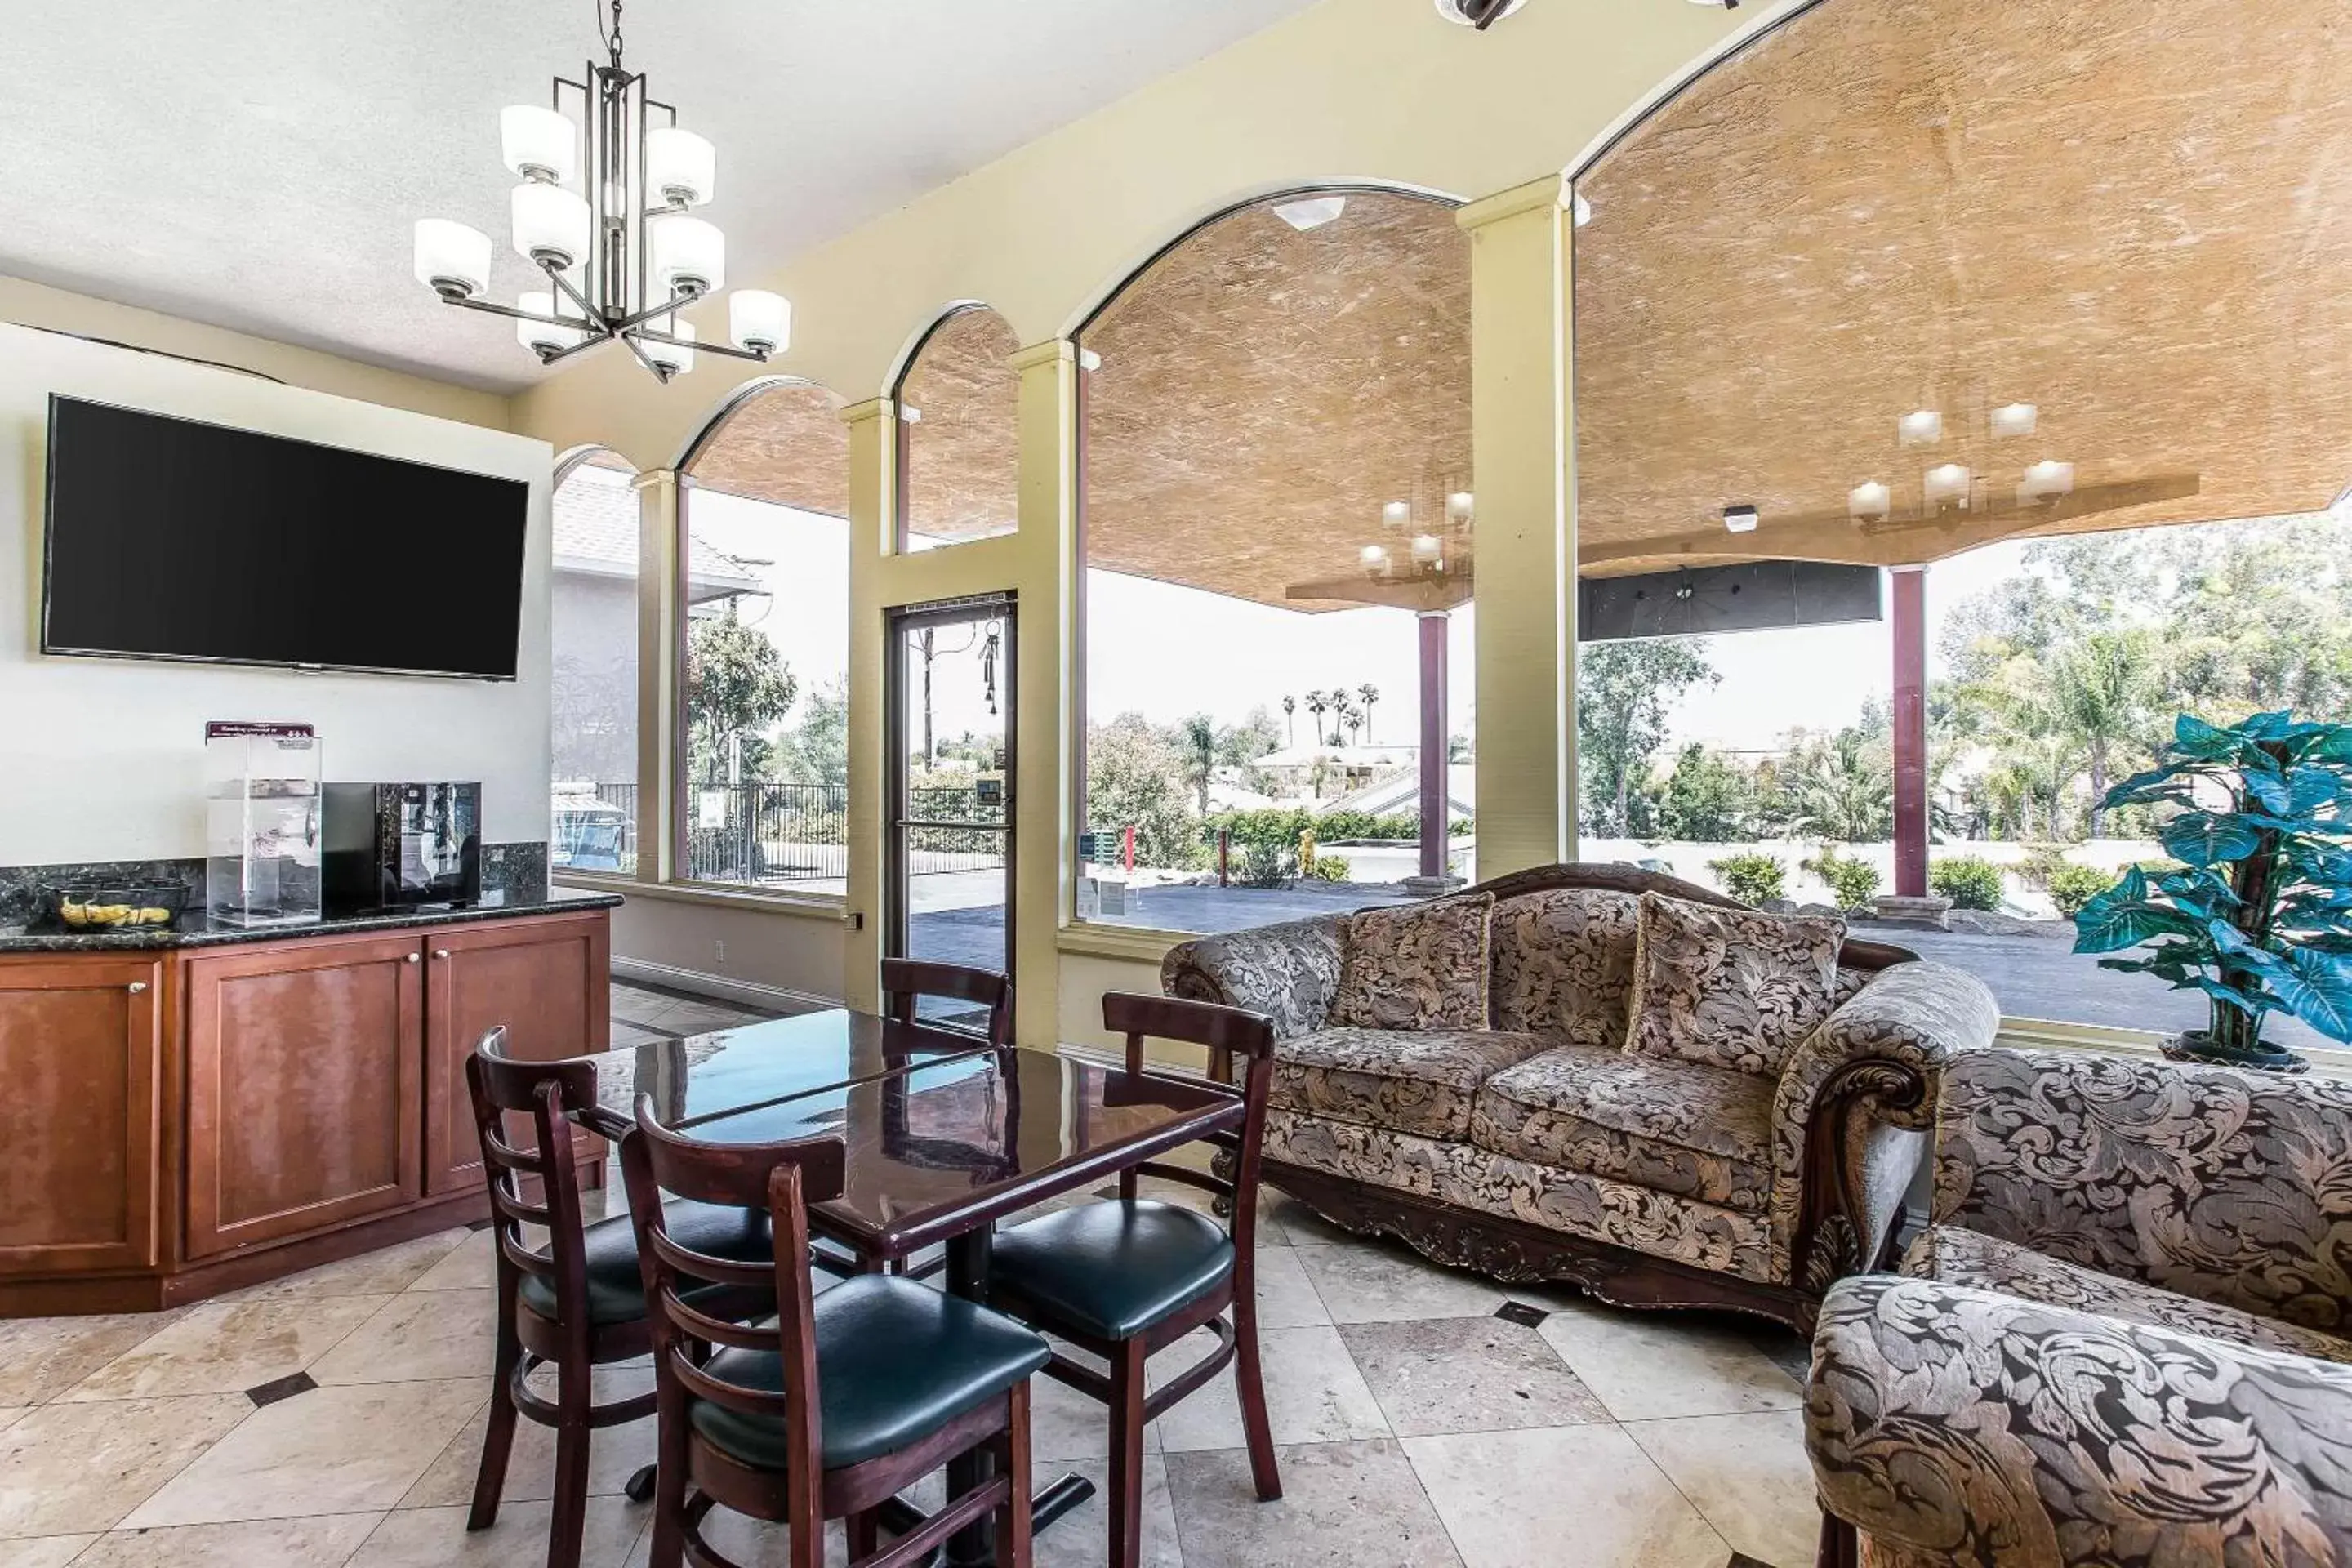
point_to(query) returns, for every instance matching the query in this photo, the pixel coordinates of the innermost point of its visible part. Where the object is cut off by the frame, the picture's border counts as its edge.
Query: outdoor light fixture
(2015, 419)
(1869, 498)
(622, 258)
(1396, 514)
(1427, 549)
(1920, 428)
(1310, 212)
(1946, 481)
(1739, 518)
(2046, 481)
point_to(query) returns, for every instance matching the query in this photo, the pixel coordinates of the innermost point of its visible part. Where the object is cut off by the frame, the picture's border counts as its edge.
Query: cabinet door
(80, 1052)
(305, 1064)
(547, 982)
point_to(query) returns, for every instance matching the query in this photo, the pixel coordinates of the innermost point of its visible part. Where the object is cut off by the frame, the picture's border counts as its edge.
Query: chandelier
(621, 258)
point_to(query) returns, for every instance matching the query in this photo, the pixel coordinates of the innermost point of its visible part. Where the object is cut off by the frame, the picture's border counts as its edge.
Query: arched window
(2031, 330)
(592, 703)
(1278, 547)
(762, 705)
(959, 433)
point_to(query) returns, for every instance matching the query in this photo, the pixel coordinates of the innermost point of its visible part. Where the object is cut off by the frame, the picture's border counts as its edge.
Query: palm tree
(1317, 705)
(2102, 695)
(1199, 735)
(1842, 789)
(1370, 694)
(1357, 717)
(1289, 720)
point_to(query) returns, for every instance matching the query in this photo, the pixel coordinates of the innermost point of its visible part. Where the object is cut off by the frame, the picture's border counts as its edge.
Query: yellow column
(1523, 471)
(873, 512)
(1045, 577)
(657, 669)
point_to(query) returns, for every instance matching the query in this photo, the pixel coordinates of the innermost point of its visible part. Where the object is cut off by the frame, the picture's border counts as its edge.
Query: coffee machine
(403, 846)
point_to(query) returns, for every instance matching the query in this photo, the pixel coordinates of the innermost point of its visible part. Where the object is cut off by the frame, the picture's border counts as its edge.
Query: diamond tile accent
(1519, 1312)
(279, 1388)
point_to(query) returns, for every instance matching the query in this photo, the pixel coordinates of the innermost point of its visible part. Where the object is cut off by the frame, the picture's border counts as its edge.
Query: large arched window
(959, 433)
(762, 705)
(1278, 536)
(2016, 306)
(593, 627)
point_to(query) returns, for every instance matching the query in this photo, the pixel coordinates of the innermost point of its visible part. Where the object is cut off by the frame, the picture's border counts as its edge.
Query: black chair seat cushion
(1111, 1271)
(616, 1292)
(896, 1362)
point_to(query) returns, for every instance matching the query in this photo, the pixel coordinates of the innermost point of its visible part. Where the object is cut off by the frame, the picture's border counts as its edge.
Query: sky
(1167, 651)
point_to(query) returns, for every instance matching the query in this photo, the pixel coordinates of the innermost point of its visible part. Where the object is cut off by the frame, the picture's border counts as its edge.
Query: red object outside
(1126, 848)
(1910, 627)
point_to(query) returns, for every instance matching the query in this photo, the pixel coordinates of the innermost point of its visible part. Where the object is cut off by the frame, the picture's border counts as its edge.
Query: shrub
(2042, 862)
(1330, 868)
(1853, 882)
(1751, 879)
(1335, 825)
(2071, 887)
(1266, 863)
(1970, 882)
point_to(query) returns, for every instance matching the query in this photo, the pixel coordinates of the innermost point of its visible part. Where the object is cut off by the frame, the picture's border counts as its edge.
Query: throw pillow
(1564, 964)
(1729, 987)
(1416, 967)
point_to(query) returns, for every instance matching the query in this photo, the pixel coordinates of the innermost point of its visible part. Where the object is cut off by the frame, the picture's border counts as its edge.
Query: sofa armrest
(1288, 971)
(1978, 1429)
(1851, 1104)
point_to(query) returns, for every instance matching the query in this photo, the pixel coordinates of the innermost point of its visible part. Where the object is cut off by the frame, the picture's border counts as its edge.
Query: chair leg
(497, 1437)
(1249, 1382)
(865, 1534)
(1839, 1546)
(1013, 1463)
(1128, 1393)
(669, 1493)
(569, 1515)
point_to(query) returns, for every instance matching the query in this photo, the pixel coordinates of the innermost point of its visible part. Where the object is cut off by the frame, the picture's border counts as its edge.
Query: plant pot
(2196, 1046)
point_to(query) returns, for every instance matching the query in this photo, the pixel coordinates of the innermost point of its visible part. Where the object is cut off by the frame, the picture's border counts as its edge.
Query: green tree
(1196, 738)
(1840, 787)
(1623, 690)
(1707, 799)
(2105, 692)
(1137, 776)
(815, 749)
(737, 688)
(1369, 694)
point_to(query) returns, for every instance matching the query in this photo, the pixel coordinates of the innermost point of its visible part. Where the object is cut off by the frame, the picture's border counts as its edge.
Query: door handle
(136, 986)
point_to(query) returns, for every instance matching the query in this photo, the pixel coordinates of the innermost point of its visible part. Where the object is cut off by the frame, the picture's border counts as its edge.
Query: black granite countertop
(193, 930)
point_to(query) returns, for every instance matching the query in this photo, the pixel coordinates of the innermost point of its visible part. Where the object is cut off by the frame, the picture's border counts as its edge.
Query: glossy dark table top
(942, 1132)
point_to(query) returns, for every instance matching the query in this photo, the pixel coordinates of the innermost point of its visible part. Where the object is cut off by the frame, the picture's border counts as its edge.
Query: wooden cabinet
(546, 981)
(80, 1054)
(304, 1085)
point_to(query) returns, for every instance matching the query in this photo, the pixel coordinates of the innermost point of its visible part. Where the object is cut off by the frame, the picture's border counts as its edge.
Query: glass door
(952, 728)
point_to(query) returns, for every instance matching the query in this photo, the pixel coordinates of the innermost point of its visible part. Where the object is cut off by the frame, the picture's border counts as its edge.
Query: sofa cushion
(1564, 963)
(1697, 1132)
(1415, 1080)
(1414, 966)
(1728, 988)
(1958, 1256)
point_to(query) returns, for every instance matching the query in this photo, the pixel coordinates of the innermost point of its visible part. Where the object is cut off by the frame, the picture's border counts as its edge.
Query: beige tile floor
(333, 1420)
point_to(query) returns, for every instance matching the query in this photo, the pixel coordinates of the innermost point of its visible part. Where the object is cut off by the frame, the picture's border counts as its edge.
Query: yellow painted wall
(35, 305)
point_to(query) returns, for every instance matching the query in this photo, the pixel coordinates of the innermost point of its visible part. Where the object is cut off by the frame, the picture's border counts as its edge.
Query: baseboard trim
(720, 987)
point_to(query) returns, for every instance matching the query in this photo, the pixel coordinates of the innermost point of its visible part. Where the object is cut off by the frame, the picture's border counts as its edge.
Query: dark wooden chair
(578, 1302)
(880, 1379)
(1122, 1280)
(907, 981)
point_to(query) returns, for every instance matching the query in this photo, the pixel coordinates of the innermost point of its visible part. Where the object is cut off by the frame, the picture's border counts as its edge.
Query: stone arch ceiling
(785, 445)
(961, 477)
(1264, 391)
(2136, 216)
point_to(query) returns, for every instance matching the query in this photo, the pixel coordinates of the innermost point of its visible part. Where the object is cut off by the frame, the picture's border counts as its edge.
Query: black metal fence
(761, 834)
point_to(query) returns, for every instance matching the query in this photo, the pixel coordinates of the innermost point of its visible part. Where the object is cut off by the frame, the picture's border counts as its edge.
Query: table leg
(973, 1546)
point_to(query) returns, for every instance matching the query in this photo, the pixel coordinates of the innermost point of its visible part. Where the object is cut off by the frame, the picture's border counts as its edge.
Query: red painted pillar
(1433, 813)
(1911, 731)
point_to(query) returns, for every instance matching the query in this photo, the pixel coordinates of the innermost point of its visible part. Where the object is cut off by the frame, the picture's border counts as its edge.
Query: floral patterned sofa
(1532, 1143)
(2126, 1340)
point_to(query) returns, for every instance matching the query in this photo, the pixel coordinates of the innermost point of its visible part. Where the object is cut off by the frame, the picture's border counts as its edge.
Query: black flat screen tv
(170, 538)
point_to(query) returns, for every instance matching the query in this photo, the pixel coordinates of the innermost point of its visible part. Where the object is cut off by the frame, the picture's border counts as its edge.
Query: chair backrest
(534, 1183)
(906, 981)
(1240, 1043)
(782, 1178)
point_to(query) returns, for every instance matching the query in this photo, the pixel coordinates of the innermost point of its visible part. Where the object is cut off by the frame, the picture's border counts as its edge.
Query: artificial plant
(2258, 915)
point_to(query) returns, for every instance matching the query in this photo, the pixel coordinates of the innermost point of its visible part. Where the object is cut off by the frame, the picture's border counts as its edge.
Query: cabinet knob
(136, 986)
(414, 959)
(440, 952)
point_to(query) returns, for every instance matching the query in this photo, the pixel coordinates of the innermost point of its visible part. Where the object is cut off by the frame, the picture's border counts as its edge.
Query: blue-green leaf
(2156, 782)
(2201, 838)
(2308, 789)
(2192, 737)
(2275, 725)
(2335, 746)
(2316, 987)
(2122, 916)
(2268, 787)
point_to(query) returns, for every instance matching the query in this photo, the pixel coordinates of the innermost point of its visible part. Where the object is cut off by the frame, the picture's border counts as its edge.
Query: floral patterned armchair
(1528, 1141)
(2129, 1335)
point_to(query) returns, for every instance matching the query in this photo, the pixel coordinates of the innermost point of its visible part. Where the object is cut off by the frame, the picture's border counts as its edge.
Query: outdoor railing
(757, 834)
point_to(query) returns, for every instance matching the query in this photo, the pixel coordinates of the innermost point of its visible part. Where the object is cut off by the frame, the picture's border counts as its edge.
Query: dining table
(943, 1134)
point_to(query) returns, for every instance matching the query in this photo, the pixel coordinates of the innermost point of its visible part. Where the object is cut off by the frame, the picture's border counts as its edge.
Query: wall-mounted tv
(173, 539)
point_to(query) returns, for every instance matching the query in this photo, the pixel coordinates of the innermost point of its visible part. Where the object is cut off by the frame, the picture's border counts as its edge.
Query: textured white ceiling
(257, 165)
